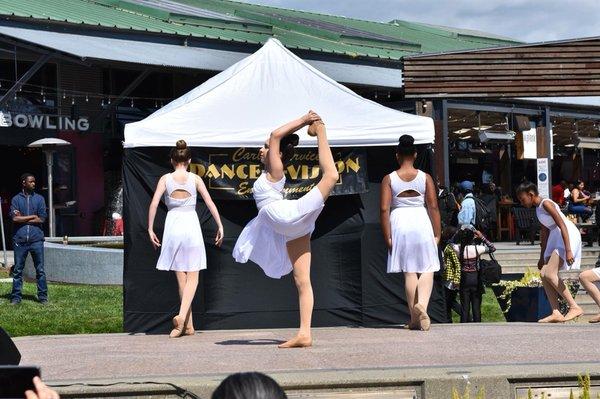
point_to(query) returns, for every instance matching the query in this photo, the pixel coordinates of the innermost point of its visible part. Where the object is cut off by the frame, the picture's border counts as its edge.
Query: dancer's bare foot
(573, 313)
(424, 319)
(299, 341)
(178, 328)
(313, 128)
(189, 330)
(412, 326)
(555, 317)
(595, 319)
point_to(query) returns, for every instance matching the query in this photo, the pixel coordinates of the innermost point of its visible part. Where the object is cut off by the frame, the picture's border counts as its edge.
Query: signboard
(542, 177)
(530, 144)
(43, 121)
(229, 173)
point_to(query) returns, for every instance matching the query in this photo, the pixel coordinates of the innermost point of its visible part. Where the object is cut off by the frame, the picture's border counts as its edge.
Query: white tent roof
(240, 106)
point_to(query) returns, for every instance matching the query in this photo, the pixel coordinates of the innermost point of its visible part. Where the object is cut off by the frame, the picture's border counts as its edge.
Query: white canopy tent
(240, 106)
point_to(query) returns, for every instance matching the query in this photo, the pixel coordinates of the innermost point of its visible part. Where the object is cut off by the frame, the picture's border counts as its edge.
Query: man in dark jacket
(448, 206)
(28, 213)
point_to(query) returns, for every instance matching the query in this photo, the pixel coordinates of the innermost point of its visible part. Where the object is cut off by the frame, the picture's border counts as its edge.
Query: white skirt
(413, 243)
(263, 240)
(182, 248)
(555, 243)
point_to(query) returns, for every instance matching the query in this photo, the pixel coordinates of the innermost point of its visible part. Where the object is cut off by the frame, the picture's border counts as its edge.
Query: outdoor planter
(527, 303)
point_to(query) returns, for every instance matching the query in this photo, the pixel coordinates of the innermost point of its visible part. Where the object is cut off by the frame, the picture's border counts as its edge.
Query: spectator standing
(466, 216)
(450, 272)
(28, 213)
(471, 283)
(448, 206)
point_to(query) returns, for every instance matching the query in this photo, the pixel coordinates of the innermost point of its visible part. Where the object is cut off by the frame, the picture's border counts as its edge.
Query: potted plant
(525, 299)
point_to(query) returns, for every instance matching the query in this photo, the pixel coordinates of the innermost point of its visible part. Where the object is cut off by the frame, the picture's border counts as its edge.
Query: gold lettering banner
(229, 173)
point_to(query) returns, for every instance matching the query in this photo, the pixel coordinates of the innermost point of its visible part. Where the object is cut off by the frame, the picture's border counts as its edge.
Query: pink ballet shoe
(424, 319)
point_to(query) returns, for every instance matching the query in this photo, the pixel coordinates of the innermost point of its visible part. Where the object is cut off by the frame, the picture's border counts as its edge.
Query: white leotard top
(399, 186)
(266, 192)
(189, 186)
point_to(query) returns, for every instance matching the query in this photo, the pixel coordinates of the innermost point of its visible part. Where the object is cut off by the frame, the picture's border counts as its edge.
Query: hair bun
(406, 140)
(181, 145)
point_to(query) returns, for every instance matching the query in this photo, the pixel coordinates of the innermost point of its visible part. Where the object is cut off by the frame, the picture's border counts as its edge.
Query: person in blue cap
(466, 216)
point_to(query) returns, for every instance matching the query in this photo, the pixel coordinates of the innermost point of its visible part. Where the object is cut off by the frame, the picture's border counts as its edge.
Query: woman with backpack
(471, 286)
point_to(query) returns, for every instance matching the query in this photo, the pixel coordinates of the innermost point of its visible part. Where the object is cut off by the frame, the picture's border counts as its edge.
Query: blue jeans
(580, 210)
(37, 254)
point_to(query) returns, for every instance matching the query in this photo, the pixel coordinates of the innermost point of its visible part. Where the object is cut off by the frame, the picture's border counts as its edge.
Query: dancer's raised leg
(299, 253)
(329, 171)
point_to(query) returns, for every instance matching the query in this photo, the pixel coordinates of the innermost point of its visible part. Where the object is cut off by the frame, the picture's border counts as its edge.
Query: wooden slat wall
(547, 70)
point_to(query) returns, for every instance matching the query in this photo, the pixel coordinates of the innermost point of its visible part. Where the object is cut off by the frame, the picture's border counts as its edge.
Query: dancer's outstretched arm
(275, 164)
(201, 187)
(160, 190)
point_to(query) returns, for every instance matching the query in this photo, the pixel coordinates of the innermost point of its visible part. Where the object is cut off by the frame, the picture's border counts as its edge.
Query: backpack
(483, 216)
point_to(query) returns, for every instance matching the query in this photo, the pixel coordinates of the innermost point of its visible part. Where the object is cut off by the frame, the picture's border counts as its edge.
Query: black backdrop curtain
(348, 269)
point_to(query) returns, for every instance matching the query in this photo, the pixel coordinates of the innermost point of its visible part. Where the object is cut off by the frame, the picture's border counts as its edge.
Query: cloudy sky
(526, 20)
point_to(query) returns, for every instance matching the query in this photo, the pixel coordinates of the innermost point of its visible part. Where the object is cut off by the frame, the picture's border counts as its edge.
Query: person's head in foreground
(528, 194)
(249, 386)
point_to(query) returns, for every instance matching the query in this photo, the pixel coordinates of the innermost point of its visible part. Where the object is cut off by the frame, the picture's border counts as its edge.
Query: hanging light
(389, 95)
(87, 99)
(132, 103)
(72, 100)
(376, 94)
(42, 92)
(155, 103)
(108, 100)
(44, 99)
(64, 95)
(102, 102)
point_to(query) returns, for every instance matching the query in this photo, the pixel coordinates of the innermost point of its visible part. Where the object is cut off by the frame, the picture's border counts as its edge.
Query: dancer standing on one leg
(183, 246)
(278, 238)
(561, 250)
(411, 230)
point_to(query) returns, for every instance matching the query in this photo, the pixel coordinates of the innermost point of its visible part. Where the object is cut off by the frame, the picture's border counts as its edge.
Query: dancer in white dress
(183, 246)
(561, 250)
(278, 239)
(411, 230)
